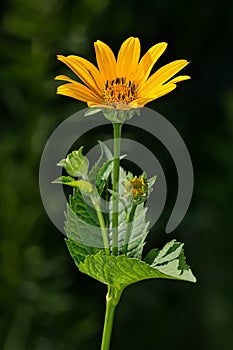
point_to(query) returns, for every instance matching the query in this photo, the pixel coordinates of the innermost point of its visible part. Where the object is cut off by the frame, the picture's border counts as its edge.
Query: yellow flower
(138, 187)
(121, 83)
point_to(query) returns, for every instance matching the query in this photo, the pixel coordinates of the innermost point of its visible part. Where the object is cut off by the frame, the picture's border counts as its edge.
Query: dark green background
(46, 303)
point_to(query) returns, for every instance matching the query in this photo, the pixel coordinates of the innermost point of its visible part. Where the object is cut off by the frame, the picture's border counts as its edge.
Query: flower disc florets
(136, 188)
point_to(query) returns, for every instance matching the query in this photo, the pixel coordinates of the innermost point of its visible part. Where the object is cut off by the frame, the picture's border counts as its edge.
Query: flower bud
(75, 163)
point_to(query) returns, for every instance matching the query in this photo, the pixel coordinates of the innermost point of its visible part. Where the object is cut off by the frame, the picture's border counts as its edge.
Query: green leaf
(139, 232)
(171, 260)
(66, 180)
(80, 251)
(182, 262)
(83, 185)
(82, 224)
(82, 206)
(140, 225)
(121, 271)
(105, 155)
(169, 252)
(103, 175)
(149, 258)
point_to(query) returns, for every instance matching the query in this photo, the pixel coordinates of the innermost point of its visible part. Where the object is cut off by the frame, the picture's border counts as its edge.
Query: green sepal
(119, 116)
(150, 182)
(138, 111)
(92, 111)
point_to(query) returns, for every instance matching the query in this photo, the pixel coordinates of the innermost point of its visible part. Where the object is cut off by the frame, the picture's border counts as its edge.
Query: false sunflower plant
(106, 223)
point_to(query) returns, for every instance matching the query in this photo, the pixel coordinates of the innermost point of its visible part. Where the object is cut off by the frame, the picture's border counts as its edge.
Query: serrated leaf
(105, 155)
(151, 255)
(79, 251)
(139, 229)
(82, 206)
(182, 262)
(169, 252)
(121, 271)
(82, 224)
(171, 260)
(103, 175)
(172, 268)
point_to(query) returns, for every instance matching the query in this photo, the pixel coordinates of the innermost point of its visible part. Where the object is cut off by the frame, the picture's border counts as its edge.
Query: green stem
(116, 166)
(102, 227)
(129, 228)
(112, 299)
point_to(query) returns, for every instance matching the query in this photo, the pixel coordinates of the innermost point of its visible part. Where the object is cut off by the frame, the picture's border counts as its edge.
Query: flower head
(137, 189)
(121, 83)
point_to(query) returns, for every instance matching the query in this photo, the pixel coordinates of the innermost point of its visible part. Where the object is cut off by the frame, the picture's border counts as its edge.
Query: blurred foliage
(46, 303)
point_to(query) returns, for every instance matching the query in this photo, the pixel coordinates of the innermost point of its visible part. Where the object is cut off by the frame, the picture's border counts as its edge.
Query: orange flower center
(139, 187)
(118, 91)
(136, 187)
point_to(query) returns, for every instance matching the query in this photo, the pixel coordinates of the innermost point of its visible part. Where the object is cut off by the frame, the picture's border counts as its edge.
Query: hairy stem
(116, 165)
(112, 299)
(102, 227)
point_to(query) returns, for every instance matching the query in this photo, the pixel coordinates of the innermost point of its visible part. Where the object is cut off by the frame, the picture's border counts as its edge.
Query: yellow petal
(179, 78)
(106, 60)
(148, 60)
(155, 93)
(65, 78)
(128, 57)
(98, 105)
(85, 70)
(93, 71)
(162, 75)
(79, 92)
